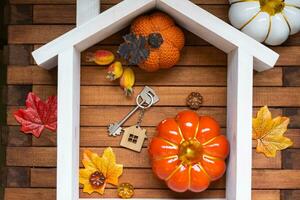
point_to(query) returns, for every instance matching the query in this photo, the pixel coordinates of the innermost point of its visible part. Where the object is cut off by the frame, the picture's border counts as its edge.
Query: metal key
(145, 95)
(144, 100)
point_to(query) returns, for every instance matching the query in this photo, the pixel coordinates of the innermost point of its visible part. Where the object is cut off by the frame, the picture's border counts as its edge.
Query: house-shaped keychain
(133, 138)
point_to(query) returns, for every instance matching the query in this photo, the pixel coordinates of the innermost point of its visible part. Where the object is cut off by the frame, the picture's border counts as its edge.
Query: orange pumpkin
(164, 38)
(188, 152)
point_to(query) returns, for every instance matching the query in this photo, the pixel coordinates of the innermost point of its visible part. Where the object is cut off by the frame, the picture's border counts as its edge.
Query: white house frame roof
(187, 14)
(244, 55)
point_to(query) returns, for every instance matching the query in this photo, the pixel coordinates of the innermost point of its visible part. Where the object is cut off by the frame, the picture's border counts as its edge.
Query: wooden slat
(176, 76)
(288, 60)
(291, 76)
(97, 137)
(16, 95)
(19, 54)
(293, 40)
(276, 179)
(140, 178)
(104, 115)
(294, 115)
(18, 38)
(29, 194)
(144, 178)
(103, 1)
(90, 116)
(207, 55)
(20, 14)
(294, 134)
(47, 14)
(159, 193)
(288, 96)
(49, 194)
(16, 138)
(46, 157)
(18, 177)
(290, 194)
(176, 96)
(20, 75)
(291, 159)
(169, 96)
(40, 34)
(90, 137)
(32, 37)
(31, 34)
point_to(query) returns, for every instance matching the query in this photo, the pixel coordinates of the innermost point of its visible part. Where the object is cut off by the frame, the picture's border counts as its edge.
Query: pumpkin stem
(155, 40)
(272, 7)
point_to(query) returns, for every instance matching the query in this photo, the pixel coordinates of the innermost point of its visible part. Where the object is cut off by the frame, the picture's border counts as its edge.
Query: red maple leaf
(38, 115)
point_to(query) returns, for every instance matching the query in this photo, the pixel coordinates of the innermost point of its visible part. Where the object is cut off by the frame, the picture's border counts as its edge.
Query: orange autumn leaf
(99, 171)
(268, 132)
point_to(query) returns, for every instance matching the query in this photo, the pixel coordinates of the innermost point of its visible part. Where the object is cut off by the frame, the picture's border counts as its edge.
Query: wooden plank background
(30, 171)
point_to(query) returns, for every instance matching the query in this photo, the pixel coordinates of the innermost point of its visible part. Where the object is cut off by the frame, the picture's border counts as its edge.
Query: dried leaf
(134, 49)
(38, 115)
(269, 132)
(106, 165)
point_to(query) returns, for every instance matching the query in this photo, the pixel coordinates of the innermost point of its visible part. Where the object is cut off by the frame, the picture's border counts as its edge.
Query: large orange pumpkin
(164, 38)
(188, 152)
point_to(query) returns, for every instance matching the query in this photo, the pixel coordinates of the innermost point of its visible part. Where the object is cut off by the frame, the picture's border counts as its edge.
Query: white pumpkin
(267, 21)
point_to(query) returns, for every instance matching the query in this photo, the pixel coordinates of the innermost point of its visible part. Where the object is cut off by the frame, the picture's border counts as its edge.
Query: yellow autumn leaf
(98, 171)
(269, 132)
(89, 159)
(109, 168)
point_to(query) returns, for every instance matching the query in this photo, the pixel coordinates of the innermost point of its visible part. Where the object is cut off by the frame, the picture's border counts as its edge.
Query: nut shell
(194, 100)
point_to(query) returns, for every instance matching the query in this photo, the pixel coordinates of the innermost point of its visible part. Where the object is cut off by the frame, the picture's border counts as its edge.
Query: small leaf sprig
(115, 69)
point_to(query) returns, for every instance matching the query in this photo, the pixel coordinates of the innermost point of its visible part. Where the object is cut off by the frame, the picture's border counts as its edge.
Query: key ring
(141, 104)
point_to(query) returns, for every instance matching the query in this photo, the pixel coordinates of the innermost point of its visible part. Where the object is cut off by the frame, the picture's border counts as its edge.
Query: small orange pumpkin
(188, 152)
(157, 44)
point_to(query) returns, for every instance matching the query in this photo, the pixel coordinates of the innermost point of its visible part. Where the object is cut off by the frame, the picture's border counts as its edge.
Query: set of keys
(134, 136)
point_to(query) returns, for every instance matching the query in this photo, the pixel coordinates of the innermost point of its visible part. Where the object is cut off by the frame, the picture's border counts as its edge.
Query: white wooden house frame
(244, 55)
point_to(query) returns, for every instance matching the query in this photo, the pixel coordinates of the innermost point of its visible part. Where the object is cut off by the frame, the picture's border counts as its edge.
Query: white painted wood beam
(239, 124)
(68, 125)
(217, 32)
(93, 31)
(155, 199)
(86, 10)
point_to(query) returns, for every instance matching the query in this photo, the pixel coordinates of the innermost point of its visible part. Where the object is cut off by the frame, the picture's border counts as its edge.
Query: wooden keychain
(134, 136)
